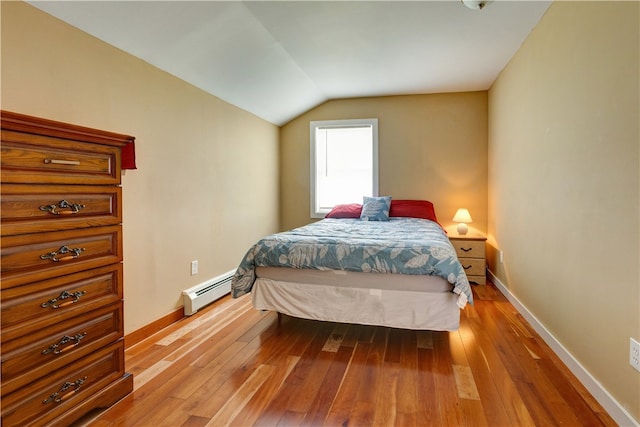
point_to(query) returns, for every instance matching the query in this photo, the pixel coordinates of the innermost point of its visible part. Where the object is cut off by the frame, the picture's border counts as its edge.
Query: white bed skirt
(435, 309)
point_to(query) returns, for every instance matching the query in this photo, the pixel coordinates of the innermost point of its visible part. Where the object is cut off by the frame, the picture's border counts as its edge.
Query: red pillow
(413, 209)
(352, 210)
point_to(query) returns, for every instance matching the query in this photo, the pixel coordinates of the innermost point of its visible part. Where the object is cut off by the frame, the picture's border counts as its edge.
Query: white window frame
(315, 211)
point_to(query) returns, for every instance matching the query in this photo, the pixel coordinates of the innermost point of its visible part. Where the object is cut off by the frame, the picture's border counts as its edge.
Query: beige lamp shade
(463, 217)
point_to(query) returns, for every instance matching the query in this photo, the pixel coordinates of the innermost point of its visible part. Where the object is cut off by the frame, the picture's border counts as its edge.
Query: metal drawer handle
(62, 162)
(73, 208)
(53, 303)
(466, 250)
(68, 253)
(64, 391)
(467, 267)
(66, 339)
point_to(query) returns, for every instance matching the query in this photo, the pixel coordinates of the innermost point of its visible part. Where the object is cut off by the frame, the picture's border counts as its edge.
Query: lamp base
(462, 228)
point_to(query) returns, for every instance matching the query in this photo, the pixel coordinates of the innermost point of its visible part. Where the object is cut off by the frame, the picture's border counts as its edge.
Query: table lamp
(463, 217)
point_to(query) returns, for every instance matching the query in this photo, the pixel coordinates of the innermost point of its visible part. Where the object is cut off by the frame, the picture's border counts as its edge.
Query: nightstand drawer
(469, 248)
(473, 266)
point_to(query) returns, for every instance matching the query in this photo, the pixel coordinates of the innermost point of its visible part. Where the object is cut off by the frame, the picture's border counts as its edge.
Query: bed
(398, 270)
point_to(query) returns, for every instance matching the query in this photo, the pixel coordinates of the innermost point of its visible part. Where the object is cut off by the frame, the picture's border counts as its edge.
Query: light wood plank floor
(232, 365)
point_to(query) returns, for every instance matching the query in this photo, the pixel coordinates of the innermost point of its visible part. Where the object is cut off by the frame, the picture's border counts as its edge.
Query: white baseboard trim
(619, 414)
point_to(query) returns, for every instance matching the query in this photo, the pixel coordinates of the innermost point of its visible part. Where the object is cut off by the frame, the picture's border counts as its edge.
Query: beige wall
(206, 187)
(562, 149)
(431, 147)
(563, 180)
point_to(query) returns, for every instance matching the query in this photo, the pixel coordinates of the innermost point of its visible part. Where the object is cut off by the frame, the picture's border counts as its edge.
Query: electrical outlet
(634, 354)
(501, 257)
(194, 267)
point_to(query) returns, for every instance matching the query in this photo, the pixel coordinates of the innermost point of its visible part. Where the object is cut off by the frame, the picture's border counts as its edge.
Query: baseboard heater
(207, 292)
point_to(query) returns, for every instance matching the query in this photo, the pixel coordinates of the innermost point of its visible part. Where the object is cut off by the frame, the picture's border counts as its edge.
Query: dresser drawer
(35, 257)
(44, 400)
(41, 208)
(469, 248)
(32, 159)
(37, 305)
(42, 351)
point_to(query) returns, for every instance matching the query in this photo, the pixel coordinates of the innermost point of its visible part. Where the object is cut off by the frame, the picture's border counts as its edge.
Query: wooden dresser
(471, 252)
(61, 286)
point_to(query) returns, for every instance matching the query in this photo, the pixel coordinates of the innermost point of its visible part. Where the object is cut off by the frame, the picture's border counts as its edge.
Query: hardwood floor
(232, 365)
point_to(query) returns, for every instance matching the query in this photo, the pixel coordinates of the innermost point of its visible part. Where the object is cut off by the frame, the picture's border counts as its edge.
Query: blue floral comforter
(400, 245)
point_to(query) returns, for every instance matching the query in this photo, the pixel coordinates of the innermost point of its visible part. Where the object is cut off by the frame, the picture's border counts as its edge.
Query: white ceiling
(278, 59)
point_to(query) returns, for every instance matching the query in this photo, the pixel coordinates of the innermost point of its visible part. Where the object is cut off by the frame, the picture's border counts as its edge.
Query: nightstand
(470, 249)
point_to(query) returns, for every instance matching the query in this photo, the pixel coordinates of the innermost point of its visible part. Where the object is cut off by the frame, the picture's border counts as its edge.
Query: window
(344, 163)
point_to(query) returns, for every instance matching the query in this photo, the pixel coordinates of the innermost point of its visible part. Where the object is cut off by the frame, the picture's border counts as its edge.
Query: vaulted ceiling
(278, 59)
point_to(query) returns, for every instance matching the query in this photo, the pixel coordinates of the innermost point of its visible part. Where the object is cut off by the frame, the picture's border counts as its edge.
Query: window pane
(345, 163)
